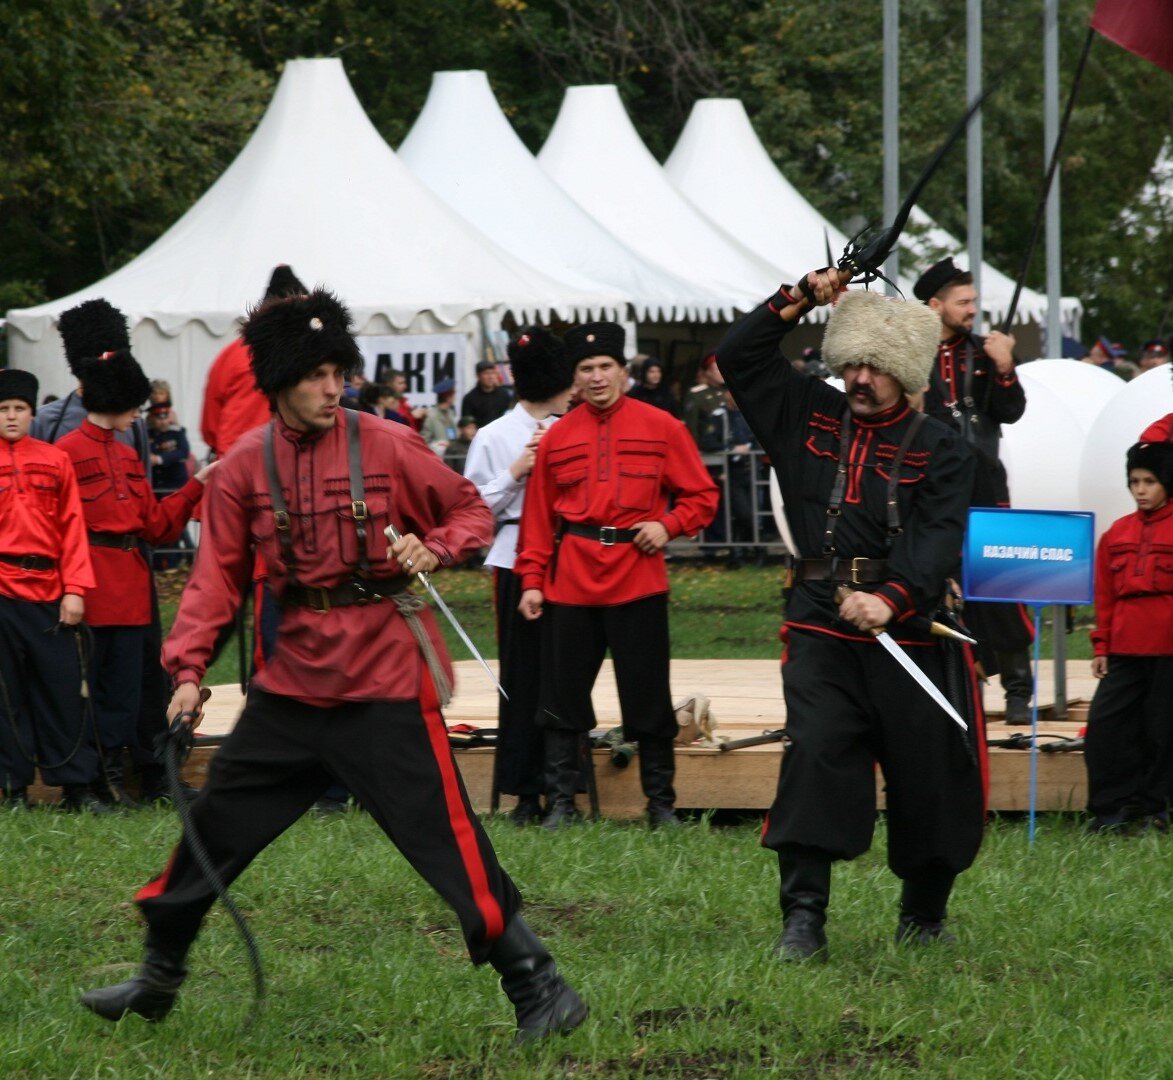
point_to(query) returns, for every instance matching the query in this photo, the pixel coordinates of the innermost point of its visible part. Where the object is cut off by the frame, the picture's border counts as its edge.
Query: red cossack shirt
(1134, 586)
(614, 466)
(232, 402)
(116, 497)
(40, 514)
(353, 653)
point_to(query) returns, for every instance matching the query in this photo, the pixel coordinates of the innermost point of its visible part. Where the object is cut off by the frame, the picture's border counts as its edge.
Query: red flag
(1144, 27)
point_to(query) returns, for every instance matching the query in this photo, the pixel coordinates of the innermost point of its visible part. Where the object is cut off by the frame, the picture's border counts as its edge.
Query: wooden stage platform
(746, 699)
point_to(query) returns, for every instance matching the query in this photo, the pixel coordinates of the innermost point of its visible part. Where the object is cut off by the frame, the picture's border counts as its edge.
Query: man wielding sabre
(876, 496)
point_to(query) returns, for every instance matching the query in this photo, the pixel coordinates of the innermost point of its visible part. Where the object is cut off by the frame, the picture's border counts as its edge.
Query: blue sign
(1029, 556)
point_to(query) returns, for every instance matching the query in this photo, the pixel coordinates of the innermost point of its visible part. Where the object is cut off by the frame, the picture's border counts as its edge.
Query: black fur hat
(595, 339)
(290, 336)
(539, 364)
(283, 282)
(113, 383)
(1157, 457)
(18, 385)
(90, 329)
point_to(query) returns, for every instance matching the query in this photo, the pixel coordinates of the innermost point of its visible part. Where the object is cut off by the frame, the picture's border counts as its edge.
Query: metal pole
(973, 149)
(1059, 652)
(1054, 342)
(891, 128)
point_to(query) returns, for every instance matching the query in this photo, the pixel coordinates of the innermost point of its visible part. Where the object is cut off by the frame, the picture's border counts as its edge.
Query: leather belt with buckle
(121, 541)
(842, 570)
(356, 591)
(607, 535)
(29, 562)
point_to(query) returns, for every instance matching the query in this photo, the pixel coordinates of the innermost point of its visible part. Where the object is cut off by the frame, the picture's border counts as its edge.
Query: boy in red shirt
(121, 511)
(1129, 748)
(45, 573)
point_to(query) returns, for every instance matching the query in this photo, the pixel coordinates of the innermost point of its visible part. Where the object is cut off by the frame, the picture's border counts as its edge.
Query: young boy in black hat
(1129, 750)
(359, 675)
(121, 513)
(45, 573)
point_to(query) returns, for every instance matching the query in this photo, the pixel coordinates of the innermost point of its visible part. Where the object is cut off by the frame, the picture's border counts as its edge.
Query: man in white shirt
(499, 463)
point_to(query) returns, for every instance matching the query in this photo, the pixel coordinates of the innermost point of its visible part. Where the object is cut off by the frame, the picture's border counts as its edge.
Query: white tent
(720, 165)
(594, 152)
(316, 187)
(463, 147)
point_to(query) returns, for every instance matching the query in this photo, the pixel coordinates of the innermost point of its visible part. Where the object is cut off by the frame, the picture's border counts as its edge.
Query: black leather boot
(14, 798)
(544, 1002)
(110, 786)
(77, 798)
(151, 993)
(527, 811)
(805, 874)
(1015, 675)
(562, 768)
(657, 770)
(155, 788)
(923, 901)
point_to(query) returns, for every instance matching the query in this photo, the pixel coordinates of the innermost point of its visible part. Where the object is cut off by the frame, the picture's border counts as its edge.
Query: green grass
(716, 613)
(1064, 966)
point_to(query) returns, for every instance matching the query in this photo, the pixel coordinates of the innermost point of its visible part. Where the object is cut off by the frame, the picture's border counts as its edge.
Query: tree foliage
(116, 116)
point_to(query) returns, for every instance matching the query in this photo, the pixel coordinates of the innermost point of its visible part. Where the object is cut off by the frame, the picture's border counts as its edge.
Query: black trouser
(637, 635)
(1129, 744)
(849, 705)
(156, 689)
(520, 760)
(279, 759)
(41, 712)
(117, 684)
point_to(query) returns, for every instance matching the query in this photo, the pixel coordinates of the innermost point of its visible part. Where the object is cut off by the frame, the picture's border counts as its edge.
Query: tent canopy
(595, 154)
(317, 187)
(465, 150)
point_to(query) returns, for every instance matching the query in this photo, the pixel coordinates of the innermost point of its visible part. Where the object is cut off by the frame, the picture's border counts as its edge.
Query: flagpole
(891, 40)
(973, 150)
(1034, 233)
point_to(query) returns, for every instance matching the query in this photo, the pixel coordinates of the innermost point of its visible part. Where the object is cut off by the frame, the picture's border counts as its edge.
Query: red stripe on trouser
(458, 816)
(1027, 621)
(157, 886)
(979, 723)
(785, 656)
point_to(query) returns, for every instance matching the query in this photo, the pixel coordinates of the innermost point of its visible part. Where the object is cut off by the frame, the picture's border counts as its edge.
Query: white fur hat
(897, 337)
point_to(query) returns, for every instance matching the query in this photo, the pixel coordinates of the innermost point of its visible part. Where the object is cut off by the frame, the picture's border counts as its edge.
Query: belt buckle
(608, 535)
(28, 562)
(129, 542)
(362, 594)
(323, 595)
(855, 569)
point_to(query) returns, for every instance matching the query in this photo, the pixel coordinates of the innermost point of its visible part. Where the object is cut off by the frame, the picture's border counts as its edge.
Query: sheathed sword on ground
(426, 581)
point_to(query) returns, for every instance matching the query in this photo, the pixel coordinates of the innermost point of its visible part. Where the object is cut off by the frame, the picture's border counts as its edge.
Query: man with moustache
(876, 496)
(591, 562)
(358, 678)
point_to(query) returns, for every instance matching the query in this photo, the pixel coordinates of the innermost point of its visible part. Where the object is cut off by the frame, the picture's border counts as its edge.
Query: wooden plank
(746, 699)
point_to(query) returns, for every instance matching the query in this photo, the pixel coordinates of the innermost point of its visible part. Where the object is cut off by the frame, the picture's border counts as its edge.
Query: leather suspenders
(839, 489)
(281, 514)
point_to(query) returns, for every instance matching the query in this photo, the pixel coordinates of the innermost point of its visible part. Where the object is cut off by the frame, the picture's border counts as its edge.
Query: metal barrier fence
(744, 525)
